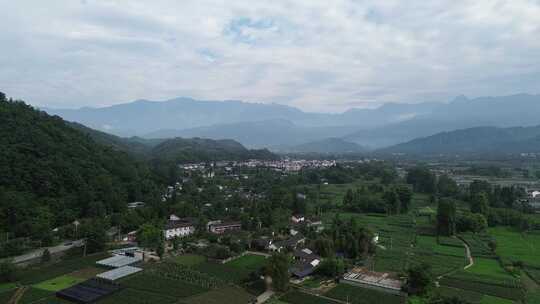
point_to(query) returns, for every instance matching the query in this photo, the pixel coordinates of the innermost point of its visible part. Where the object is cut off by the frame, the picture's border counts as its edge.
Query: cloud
(317, 55)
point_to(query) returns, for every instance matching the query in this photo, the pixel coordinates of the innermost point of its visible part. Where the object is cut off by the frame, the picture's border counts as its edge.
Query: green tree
(8, 272)
(393, 204)
(278, 269)
(419, 279)
(160, 250)
(348, 199)
(95, 235)
(480, 203)
(405, 197)
(149, 236)
(422, 180)
(447, 186)
(331, 267)
(446, 217)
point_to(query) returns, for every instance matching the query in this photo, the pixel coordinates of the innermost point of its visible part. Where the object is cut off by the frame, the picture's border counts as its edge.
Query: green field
(358, 295)
(133, 296)
(226, 272)
(33, 295)
(7, 286)
(248, 261)
(40, 273)
(189, 259)
(297, 297)
(515, 246)
(226, 295)
(489, 267)
(59, 283)
(161, 285)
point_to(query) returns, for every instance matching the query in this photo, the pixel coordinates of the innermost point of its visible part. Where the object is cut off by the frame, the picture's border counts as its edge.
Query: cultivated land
(404, 240)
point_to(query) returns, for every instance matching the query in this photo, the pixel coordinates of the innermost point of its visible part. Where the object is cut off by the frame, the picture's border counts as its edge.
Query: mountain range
(479, 140)
(274, 126)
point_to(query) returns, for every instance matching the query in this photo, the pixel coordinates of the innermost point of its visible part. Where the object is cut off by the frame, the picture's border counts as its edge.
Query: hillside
(259, 134)
(52, 173)
(326, 146)
(176, 149)
(478, 140)
(200, 149)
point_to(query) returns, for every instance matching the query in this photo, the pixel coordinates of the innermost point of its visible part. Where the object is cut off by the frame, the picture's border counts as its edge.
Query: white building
(177, 227)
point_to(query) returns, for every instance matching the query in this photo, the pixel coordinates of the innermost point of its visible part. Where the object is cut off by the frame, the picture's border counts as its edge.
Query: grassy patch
(189, 259)
(515, 246)
(489, 267)
(358, 295)
(160, 285)
(297, 297)
(495, 300)
(224, 272)
(37, 274)
(227, 295)
(7, 286)
(248, 261)
(133, 296)
(33, 295)
(59, 283)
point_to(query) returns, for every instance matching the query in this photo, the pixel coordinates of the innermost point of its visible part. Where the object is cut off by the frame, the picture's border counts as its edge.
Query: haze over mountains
(479, 140)
(282, 127)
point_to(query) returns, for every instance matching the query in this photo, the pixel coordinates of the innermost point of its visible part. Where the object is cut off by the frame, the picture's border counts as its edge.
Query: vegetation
(357, 295)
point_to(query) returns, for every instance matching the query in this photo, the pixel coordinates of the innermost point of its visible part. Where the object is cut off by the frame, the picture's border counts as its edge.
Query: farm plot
(442, 258)
(224, 272)
(489, 267)
(297, 297)
(186, 274)
(33, 295)
(37, 274)
(358, 295)
(513, 246)
(508, 289)
(478, 243)
(161, 285)
(59, 283)
(133, 296)
(471, 296)
(226, 295)
(248, 261)
(189, 259)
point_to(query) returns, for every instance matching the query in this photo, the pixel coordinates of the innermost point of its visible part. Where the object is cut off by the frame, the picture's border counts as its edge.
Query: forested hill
(479, 140)
(52, 174)
(200, 149)
(178, 149)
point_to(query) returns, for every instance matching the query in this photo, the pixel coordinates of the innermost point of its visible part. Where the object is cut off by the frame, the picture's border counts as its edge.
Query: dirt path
(469, 255)
(18, 295)
(469, 258)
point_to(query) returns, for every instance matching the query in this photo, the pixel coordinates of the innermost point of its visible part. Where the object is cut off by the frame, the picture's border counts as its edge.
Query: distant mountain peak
(460, 99)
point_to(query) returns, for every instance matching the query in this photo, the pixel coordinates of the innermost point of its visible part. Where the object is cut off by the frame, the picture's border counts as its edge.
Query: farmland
(514, 246)
(297, 297)
(58, 283)
(357, 295)
(226, 295)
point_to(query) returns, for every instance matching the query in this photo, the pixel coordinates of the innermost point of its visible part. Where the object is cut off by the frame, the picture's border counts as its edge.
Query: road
(34, 254)
(263, 297)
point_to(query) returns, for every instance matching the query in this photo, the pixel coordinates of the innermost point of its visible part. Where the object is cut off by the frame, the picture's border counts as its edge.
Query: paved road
(263, 297)
(34, 254)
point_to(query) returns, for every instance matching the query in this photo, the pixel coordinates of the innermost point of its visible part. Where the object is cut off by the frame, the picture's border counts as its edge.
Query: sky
(317, 55)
